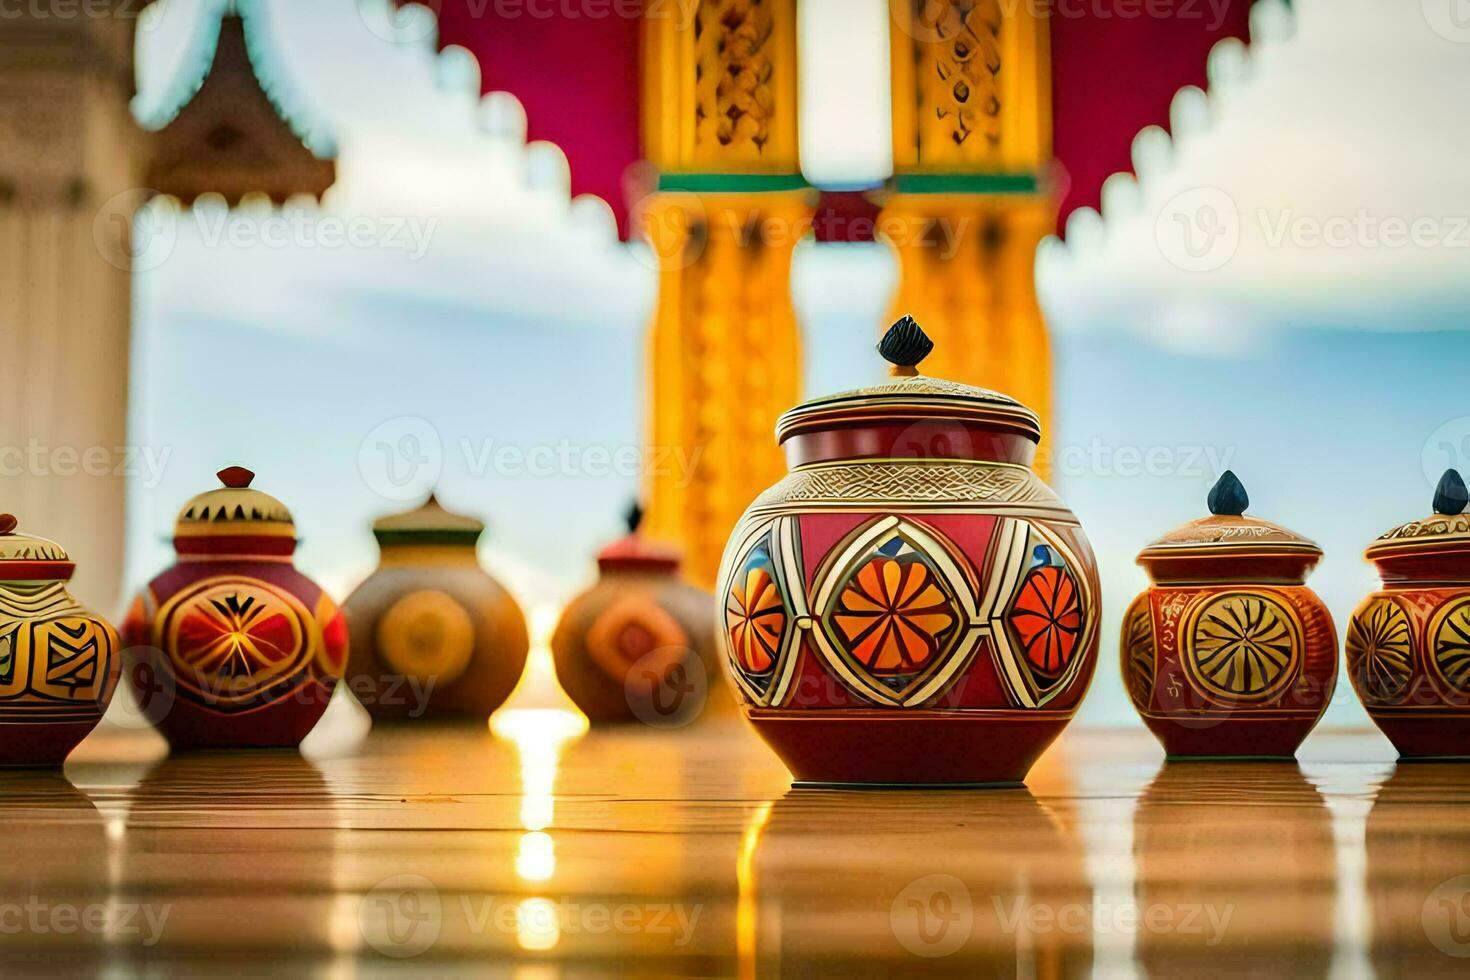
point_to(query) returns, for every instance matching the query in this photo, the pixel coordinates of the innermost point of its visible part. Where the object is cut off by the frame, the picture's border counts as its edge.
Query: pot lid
(234, 510)
(910, 395)
(1228, 531)
(636, 552)
(25, 556)
(430, 523)
(1446, 530)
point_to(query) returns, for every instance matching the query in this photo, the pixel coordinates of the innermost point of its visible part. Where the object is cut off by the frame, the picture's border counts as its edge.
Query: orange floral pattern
(755, 616)
(894, 616)
(1047, 617)
(237, 635)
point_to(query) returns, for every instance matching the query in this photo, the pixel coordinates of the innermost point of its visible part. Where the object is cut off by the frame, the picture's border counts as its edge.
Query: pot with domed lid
(433, 634)
(638, 645)
(1229, 654)
(911, 604)
(232, 647)
(59, 662)
(1408, 643)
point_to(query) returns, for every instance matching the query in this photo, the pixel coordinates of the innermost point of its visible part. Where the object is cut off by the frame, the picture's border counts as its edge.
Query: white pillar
(70, 157)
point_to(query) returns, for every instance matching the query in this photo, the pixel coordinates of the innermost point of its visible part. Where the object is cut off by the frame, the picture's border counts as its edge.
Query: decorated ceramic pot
(58, 662)
(432, 633)
(1408, 644)
(639, 645)
(911, 604)
(232, 647)
(1229, 654)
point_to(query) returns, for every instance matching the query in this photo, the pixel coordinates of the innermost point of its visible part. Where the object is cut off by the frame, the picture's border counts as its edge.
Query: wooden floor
(639, 852)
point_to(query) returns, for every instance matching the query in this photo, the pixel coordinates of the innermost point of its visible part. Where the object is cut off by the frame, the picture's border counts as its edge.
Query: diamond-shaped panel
(892, 616)
(758, 617)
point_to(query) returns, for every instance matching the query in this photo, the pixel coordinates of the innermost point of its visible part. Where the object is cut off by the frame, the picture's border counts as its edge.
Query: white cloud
(453, 207)
(1331, 172)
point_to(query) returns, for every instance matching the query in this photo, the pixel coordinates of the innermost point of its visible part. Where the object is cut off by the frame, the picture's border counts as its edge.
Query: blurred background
(1253, 230)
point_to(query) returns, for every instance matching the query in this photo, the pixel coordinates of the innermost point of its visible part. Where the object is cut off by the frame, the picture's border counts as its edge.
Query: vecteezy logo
(150, 690)
(134, 232)
(402, 458)
(397, 23)
(674, 229)
(1450, 19)
(1198, 230)
(933, 916)
(667, 688)
(402, 915)
(1447, 446)
(1446, 916)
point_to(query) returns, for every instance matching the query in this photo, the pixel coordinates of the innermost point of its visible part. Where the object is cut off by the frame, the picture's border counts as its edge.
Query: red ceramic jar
(1408, 644)
(910, 605)
(58, 662)
(1229, 654)
(232, 647)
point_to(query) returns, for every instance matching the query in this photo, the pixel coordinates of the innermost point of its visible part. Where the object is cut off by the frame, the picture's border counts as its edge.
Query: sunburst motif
(1047, 617)
(1138, 651)
(1242, 647)
(235, 635)
(1380, 651)
(893, 616)
(1452, 645)
(755, 616)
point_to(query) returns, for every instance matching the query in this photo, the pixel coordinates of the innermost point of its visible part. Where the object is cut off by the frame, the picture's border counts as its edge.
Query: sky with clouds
(1282, 290)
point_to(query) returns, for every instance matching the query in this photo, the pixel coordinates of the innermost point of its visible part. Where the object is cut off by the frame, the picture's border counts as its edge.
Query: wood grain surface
(448, 850)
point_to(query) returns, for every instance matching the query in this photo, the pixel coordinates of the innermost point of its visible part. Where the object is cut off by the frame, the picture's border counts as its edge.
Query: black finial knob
(905, 344)
(1228, 496)
(634, 517)
(1450, 497)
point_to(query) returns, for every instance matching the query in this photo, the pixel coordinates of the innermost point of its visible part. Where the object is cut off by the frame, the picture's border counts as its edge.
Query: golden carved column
(720, 126)
(972, 137)
(68, 149)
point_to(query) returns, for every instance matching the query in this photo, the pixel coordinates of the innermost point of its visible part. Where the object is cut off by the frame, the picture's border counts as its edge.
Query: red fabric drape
(1113, 76)
(1115, 69)
(578, 78)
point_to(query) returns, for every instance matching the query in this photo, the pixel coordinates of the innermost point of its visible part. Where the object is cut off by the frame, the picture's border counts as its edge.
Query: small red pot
(232, 647)
(911, 605)
(1408, 644)
(1229, 654)
(638, 646)
(58, 662)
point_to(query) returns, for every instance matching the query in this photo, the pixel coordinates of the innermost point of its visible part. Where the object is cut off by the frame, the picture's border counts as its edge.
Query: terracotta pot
(433, 635)
(911, 604)
(58, 662)
(1408, 644)
(1229, 654)
(232, 647)
(639, 645)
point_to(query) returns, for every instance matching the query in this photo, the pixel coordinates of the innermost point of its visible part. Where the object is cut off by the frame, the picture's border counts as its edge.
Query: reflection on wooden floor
(551, 853)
